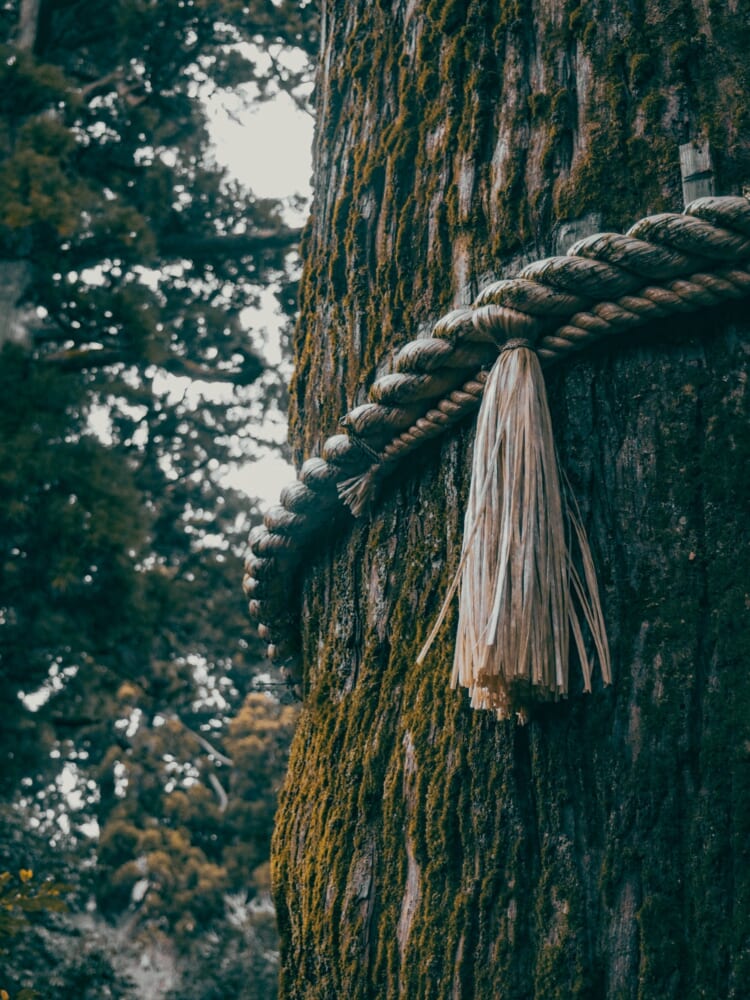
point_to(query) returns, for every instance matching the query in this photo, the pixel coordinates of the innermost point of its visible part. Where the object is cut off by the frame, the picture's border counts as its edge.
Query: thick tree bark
(424, 850)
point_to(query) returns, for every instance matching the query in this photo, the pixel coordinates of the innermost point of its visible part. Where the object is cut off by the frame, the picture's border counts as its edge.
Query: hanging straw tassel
(520, 596)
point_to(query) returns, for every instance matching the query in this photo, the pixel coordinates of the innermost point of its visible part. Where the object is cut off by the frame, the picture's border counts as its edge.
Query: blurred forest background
(142, 737)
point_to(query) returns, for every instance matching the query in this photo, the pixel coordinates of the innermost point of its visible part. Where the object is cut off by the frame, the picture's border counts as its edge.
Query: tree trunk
(422, 849)
(16, 317)
(28, 25)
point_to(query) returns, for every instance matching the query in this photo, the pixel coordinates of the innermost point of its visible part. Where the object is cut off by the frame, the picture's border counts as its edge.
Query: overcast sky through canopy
(268, 150)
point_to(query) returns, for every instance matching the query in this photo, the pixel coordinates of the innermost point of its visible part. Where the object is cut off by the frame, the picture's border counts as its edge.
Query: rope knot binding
(515, 343)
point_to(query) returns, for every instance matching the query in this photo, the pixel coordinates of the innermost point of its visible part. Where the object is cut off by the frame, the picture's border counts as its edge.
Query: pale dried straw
(521, 597)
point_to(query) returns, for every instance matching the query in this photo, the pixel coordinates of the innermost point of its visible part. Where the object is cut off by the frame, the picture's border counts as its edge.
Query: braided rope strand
(605, 285)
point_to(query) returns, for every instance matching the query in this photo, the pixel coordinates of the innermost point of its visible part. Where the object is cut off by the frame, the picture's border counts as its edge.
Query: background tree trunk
(15, 316)
(28, 24)
(424, 850)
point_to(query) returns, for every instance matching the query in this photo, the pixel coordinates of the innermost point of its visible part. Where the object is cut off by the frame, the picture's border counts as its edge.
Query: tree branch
(96, 86)
(208, 747)
(221, 795)
(200, 247)
(177, 365)
(186, 246)
(28, 25)
(286, 86)
(78, 359)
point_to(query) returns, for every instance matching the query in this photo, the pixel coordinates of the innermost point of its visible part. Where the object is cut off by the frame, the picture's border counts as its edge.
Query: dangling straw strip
(515, 575)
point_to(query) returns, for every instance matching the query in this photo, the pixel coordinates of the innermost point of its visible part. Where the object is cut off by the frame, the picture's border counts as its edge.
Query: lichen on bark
(424, 850)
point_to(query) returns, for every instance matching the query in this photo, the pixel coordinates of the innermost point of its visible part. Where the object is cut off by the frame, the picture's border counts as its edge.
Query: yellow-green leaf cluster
(21, 896)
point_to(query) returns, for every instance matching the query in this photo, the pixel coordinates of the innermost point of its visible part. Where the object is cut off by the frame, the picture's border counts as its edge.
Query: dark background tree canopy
(133, 694)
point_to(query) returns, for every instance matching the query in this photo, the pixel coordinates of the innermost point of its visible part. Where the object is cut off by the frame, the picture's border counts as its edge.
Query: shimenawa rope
(606, 284)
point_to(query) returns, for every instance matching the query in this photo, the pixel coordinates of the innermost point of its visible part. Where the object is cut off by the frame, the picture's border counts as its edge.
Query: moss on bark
(424, 850)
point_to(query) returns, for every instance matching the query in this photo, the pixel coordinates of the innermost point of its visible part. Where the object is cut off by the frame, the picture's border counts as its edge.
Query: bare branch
(96, 86)
(221, 795)
(208, 747)
(77, 359)
(200, 247)
(177, 365)
(286, 87)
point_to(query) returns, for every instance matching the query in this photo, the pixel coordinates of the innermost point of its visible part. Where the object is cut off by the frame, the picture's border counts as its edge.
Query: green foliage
(37, 186)
(238, 964)
(128, 389)
(70, 516)
(19, 897)
(191, 834)
(105, 167)
(27, 86)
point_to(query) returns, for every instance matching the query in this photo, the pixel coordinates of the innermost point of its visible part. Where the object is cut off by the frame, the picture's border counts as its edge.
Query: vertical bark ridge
(601, 851)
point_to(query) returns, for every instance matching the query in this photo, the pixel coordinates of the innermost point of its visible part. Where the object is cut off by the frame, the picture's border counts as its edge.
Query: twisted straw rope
(606, 284)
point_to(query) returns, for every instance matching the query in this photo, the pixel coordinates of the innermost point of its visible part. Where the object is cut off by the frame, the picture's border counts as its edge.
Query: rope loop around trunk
(606, 284)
